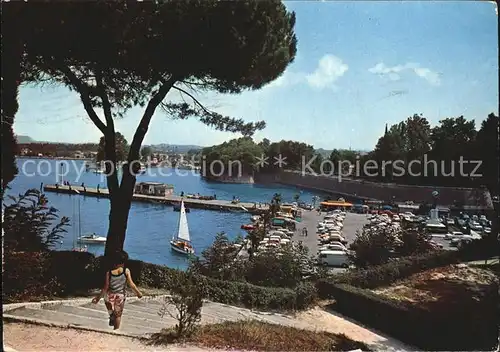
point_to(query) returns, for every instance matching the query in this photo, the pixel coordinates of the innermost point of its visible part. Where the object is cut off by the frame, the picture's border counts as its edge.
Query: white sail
(183, 233)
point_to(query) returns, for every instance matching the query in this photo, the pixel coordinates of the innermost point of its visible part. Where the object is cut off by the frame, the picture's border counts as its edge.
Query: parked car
(454, 234)
(334, 258)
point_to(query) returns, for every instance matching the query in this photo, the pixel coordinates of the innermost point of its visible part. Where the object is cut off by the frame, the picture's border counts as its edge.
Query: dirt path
(333, 322)
(27, 337)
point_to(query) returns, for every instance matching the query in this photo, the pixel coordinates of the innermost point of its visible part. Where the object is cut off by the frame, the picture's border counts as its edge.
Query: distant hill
(176, 148)
(323, 152)
(24, 139)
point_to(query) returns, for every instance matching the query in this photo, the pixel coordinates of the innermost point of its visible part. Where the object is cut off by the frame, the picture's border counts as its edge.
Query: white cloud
(393, 73)
(329, 69)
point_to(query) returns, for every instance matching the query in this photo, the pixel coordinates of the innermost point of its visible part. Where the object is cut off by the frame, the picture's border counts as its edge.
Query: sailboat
(182, 243)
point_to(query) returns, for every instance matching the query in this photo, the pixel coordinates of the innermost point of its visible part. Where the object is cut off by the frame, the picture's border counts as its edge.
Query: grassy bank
(259, 336)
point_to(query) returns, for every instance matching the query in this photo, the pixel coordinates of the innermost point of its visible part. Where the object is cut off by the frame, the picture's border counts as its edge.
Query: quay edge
(216, 205)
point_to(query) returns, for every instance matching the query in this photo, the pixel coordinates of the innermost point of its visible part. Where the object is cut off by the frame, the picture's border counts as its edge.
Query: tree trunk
(122, 195)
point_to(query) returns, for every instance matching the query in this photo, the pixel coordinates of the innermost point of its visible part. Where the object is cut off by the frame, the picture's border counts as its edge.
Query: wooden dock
(216, 204)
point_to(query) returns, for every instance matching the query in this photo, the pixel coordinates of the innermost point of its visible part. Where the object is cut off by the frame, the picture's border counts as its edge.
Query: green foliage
(121, 145)
(52, 274)
(375, 246)
(25, 277)
(29, 223)
(451, 139)
(184, 305)
(280, 268)
(237, 155)
(386, 274)
(219, 260)
(292, 152)
(146, 152)
(35, 276)
(466, 324)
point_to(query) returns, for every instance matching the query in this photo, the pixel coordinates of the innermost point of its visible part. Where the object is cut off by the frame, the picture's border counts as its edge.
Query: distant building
(154, 189)
(79, 155)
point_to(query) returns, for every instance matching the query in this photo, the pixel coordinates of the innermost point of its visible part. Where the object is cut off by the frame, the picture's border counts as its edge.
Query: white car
(396, 218)
(338, 238)
(454, 234)
(487, 230)
(333, 258)
(333, 247)
(475, 226)
(450, 221)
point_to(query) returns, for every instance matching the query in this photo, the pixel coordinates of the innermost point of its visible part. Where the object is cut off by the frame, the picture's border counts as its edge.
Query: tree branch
(194, 99)
(142, 129)
(211, 118)
(110, 135)
(85, 97)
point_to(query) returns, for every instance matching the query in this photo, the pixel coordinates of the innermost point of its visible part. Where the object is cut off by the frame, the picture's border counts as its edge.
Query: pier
(216, 204)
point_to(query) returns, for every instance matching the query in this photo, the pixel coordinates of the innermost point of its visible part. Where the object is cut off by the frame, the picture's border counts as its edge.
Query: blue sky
(359, 66)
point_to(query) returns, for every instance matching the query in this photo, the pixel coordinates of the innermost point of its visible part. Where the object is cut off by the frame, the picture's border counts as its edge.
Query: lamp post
(435, 195)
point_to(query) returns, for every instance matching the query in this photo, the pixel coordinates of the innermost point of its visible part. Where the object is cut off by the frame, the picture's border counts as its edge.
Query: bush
(464, 325)
(35, 274)
(184, 305)
(26, 277)
(29, 223)
(386, 274)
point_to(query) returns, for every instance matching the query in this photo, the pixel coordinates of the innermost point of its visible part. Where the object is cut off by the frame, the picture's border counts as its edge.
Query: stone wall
(246, 179)
(448, 196)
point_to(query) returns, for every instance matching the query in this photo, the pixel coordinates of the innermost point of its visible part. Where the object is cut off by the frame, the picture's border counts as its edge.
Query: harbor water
(150, 226)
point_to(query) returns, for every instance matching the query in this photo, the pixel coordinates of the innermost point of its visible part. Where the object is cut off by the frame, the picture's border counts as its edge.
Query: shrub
(27, 278)
(28, 223)
(464, 325)
(187, 300)
(376, 246)
(388, 273)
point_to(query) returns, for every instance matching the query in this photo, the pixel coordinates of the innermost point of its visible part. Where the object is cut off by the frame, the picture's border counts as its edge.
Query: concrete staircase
(140, 317)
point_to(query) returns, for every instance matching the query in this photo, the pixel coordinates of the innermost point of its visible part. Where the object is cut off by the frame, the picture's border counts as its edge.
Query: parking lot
(310, 219)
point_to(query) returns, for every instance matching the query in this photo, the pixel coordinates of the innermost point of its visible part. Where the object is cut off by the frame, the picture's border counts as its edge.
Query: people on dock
(182, 194)
(41, 187)
(98, 190)
(115, 284)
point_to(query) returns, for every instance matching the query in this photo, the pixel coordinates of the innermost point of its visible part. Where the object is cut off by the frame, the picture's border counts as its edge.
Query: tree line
(441, 147)
(409, 152)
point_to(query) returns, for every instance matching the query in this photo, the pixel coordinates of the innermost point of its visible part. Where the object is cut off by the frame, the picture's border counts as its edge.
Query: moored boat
(92, 238)
(182, 242)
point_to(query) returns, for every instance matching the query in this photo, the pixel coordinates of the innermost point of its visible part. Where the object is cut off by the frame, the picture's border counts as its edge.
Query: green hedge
(467, 324)
(386, 274)
(34, 274)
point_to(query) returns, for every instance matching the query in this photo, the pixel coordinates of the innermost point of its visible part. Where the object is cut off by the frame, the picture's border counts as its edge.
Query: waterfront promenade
(216, 204)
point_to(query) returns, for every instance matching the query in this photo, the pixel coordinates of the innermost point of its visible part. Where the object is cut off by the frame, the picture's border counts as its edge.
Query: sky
(359, 65)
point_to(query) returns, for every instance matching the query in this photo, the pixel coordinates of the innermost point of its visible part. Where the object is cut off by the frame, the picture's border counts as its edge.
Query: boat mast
(79, 222)
(179, 222)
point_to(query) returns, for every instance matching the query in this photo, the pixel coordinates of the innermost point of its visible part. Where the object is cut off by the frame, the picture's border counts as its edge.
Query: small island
(231, 162)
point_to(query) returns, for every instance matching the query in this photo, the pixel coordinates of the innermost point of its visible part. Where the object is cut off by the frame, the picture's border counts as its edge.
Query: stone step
(208, 314)
(135, 312)
(77, 320)
(129, 319)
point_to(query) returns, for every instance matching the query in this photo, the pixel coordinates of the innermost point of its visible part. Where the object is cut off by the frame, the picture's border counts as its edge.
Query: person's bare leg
(109, 307)
(118, 321)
